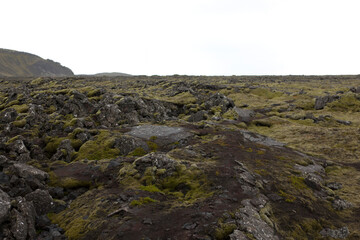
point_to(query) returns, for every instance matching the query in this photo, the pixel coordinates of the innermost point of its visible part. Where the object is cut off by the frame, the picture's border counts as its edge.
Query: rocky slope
(17, 64)
(180, 157)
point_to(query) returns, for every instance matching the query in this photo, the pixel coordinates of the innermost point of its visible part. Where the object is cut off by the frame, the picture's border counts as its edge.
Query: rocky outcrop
(321, 102)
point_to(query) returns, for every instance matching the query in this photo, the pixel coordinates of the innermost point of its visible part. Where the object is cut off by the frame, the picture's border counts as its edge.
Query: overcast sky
(194, 37)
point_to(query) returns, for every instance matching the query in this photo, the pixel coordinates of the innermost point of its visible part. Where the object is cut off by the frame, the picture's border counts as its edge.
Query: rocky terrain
(180, 157)
(20, 64)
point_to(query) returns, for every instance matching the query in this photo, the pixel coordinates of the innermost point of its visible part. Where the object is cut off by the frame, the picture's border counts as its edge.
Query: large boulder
(244, 115)
(4, 206)
(42, 201)
(219, 100)
(127, 144)
(321, 102)
(24, 170)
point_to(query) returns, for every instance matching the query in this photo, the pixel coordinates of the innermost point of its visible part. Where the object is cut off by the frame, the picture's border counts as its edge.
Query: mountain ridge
(22, 64)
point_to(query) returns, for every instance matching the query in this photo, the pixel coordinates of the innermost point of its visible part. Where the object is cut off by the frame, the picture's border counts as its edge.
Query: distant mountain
(21, 64)
(111, 74)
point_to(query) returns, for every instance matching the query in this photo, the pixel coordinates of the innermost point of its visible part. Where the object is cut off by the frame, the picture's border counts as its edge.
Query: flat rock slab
(257, 138)
(170, 134)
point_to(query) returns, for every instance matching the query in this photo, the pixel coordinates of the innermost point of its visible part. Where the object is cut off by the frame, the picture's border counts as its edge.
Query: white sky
(195, 37)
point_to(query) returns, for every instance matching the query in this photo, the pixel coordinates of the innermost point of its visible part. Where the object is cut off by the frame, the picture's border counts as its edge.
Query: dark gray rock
(355, 89)
(19, 147)
(245, 115)
(341, 204)
(42, 222)
(158, 160)
(238, 235)
(109, 115)
(19, 226)
(27, 209)
(127, 144)
(219, 100)
(64, 152)
(249, 220)
(24, 170)
(4, 162)
(257, 138)
(8, 115)
(4, 206)
(42, 201)
(198, 116)
(321, 102)
(340, 233)
(334, 185)
(312, 168)
(313, 181)
(57, 192)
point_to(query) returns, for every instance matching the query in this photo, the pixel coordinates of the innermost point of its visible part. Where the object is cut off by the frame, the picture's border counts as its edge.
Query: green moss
(20, 123)
(99, 148)
(150, 188)
(142, 201)
(138, 152)
(153, 146)
(288, 198)
(230, 114)
(265, 93)
(11, 140)
(84, 215)
(224, 231)
(52, 144)
(348, 102)
(67, 182)
(21, 108)
(298, 182)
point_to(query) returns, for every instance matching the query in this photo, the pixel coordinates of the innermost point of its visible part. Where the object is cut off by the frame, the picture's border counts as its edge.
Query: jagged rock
(8, 115)
(249, 220)
(238, 235)
(56, 192)
(4, 179)
(312, 168)
(313, 181)
(245, 115)
(334, 185)
(219, 100)
(42, 221)
(341, 204)
(83, 136)
(42, 201)
(64, 151)
(321, 102)
(340, 233)
(4, 206)
(4, 161)
(24, 170)
(355, 89)
(19, 226)
(127, 144)
(158, 160)
(19, 147)
(198, 116)
(109, 115)
(28, 211)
